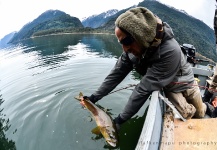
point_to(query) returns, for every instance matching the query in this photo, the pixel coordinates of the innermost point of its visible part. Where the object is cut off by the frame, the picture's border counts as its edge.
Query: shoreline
(68, 33)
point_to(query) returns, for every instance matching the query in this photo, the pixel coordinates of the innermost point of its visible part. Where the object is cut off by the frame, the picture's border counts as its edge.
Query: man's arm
(158, 76)
(117, 74)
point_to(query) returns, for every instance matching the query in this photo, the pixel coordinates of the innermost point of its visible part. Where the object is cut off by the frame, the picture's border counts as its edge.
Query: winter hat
(142, 25)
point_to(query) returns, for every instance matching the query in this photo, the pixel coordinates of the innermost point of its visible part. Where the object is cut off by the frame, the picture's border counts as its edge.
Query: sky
(14, 14)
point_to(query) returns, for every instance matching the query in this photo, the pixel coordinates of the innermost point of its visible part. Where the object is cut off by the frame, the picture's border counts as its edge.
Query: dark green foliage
(5, 143)
(58, 24)
(69, 30)
(186, 28)
(49, 20)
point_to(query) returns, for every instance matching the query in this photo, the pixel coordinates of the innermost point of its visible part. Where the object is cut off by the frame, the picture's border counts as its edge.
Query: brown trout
(105, 124)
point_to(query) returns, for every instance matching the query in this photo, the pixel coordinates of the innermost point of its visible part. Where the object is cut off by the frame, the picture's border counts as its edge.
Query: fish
(104, 122)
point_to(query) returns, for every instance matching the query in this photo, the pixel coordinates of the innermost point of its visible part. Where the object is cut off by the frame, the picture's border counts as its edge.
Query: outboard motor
(190, 51)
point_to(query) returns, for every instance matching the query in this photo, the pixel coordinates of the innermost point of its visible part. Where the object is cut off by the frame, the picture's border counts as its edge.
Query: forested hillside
(187, 29)
(49, 20)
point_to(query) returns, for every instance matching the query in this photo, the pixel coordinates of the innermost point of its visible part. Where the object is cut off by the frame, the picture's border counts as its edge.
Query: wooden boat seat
(195, 134)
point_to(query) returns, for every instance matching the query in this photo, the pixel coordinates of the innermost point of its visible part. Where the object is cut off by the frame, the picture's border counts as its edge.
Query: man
(150, 48)
(211, 99)
(215, 25)
(213, 82)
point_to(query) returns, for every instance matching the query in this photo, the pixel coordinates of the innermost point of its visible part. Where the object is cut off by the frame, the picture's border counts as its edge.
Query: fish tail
(79, 97)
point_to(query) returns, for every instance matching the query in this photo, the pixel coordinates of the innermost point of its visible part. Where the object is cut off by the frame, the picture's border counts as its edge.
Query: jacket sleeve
(121, 69)
(160, 74)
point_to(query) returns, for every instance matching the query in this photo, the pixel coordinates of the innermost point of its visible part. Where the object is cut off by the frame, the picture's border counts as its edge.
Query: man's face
(129, 44)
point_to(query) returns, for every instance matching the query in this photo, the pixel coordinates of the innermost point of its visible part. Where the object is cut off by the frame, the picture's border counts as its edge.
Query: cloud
(14, 14)
(203, 10)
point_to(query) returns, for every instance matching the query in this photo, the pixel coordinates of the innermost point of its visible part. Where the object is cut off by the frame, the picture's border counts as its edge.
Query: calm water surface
(39, 79)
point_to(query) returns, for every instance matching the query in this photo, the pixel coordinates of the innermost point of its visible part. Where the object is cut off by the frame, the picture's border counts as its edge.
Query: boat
(165, 129)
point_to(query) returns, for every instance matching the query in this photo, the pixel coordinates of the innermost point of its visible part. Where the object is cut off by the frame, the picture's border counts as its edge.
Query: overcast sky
(14, 14)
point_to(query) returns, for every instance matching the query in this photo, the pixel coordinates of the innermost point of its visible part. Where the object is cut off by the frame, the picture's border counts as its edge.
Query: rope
(200, 86)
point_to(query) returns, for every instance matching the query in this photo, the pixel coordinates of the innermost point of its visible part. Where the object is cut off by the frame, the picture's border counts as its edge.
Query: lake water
(39, 79)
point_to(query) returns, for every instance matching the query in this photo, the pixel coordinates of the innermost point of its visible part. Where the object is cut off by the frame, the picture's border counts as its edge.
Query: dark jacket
(160, 67)
(215, 25)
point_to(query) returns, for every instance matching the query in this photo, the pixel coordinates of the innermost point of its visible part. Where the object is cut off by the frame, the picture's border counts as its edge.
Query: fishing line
(130, 85)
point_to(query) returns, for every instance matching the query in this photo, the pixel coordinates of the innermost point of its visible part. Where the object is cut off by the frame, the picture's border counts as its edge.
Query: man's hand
(91, 98)
(118, 121)
(82, 102)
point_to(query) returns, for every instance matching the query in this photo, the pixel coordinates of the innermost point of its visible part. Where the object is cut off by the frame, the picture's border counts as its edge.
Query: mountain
(186, 28)
(110, 24)
(4, 41)
(95, 21)
(51, 19)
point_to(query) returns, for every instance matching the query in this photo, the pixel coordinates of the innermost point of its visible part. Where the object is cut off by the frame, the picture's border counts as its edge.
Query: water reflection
(52, 51)
(5, 143)
(51, 45)
(39, 78)
(105, 45)
(130, 131)
(58, 44)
